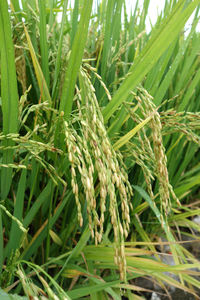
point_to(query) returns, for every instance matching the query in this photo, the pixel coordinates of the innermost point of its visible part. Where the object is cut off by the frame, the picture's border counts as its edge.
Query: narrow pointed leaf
(75, 59)
(39, 74)
(160, 41)
(9, 93)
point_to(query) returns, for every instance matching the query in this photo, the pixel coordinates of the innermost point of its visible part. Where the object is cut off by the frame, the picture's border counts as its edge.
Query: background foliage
(99, 147)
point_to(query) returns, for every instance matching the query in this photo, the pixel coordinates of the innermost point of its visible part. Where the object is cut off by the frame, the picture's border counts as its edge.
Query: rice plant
(99, 153)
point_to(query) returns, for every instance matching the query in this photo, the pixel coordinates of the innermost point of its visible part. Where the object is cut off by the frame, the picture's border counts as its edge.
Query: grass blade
(39, 74)
(59, 53)
(156, 46)
(9, 93)
(75, 59)
(124, 139)
(15, 232)
(43, 42)
(1, 243)
(168, 77)
(16, 5)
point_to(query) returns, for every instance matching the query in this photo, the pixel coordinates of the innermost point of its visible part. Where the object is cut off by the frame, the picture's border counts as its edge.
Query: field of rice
(99, 149)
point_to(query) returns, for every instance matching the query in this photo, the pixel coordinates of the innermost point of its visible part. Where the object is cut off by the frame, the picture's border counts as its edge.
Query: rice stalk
(187, 123)
(67, 154)
(150, 154)
(91, 155)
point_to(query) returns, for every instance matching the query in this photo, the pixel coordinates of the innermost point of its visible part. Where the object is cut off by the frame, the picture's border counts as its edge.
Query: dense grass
(99, 147)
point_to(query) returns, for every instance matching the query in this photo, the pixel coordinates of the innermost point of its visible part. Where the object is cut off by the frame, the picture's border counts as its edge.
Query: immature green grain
(182, 122)
(142, 151)
(94, 71)
(147, 107)
(27, 285)
(34, 149)
(142, 159)
(112, 176)
(14, 166)
(50, 292)
(70, 142)
(92, 156)
(147, 148)
(21, 227)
